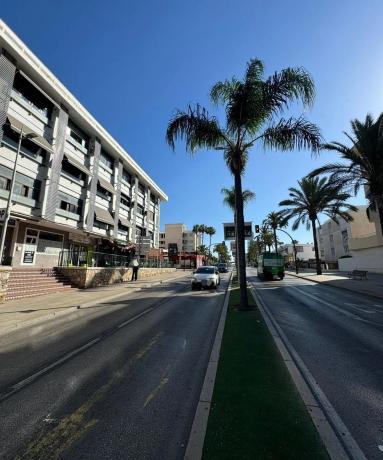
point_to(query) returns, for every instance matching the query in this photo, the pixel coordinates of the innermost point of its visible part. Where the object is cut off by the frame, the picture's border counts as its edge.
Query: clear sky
(132, 63)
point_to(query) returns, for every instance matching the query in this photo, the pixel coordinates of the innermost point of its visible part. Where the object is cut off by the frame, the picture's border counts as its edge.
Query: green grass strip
(256, 411)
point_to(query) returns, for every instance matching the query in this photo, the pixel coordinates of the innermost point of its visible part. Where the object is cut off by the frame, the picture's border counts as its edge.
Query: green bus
(271, 264)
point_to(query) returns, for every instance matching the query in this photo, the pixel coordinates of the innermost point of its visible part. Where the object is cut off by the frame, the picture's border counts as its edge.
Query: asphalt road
(339, 336)
(121, 385)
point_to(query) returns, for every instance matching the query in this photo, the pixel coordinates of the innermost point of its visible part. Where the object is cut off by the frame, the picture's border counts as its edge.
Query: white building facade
(305, 252)
(179, 235)
(75, 185)
(352, 245)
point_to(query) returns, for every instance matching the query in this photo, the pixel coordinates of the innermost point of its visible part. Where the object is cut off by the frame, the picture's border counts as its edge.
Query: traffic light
(257, 229)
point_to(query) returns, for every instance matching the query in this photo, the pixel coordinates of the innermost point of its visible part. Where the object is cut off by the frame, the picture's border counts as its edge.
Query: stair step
(22, 295)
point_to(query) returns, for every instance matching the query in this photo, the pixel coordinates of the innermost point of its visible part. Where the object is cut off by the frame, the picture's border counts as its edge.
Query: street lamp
(295, 249)
(13, 180)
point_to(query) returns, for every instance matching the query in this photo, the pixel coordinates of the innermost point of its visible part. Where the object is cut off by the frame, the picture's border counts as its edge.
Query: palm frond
(197, 128)
(289, 134)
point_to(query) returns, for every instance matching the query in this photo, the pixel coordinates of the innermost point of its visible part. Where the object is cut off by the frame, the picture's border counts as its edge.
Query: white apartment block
(178, 234)
(75, 185)
(339, 240)
(305, 252)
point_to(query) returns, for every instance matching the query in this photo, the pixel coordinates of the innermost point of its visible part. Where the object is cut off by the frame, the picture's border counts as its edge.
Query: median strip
(256, 411)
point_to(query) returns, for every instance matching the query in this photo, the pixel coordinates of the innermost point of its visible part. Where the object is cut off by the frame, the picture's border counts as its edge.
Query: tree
(210, 231)
(254, 250)
(314, 196)
(202, 250)
(229, 200)
(222, 251)
(363, 166)
(266, 237)
(196, 231)
(202, 231)
(252, 106)
(275, 220)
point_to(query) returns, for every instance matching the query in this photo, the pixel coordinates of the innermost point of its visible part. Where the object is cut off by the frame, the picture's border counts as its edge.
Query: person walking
(135, 267)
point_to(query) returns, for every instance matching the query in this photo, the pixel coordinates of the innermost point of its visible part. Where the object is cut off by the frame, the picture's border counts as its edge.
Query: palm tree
(363, 165)
(195, 230)
(251, 107)
(210, 231)
(314, 196)
(275, 220)
(229, 200)
(202, 230)
(266, 237)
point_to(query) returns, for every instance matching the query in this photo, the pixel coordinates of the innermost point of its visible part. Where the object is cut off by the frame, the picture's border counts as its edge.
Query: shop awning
(16, 125)
(102, 215)
(124, 222)
(106, 185)
(77, 164)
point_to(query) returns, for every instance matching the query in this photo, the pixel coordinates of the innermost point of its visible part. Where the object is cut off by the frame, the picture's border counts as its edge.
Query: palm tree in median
(313, 197)
(210, 231)
(252, 106)
(363, 165)
(229, 200)
(275, 220)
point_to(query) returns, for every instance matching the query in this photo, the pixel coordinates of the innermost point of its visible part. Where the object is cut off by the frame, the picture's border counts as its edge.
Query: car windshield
(205, 270)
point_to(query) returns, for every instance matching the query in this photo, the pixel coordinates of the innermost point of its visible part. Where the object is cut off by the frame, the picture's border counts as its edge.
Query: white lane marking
(334, 307)
(135, 317)
(37, 374)
(184, 344)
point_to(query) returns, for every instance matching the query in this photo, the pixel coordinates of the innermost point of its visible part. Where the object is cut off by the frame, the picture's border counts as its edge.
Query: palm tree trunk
(240, 232)
(275, 240)
(317, 258)
(236, 242)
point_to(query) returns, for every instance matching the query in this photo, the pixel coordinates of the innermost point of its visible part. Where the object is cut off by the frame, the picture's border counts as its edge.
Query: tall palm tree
(266, 237)
(363, 165)
(210, 231)
(202, 231)
(229, 200)
(275, 220)
(195, 230)
(315, 196)
(252, 106)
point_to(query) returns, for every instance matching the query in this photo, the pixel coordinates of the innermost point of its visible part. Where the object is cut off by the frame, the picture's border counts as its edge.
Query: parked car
(222, 267)
(205, 277)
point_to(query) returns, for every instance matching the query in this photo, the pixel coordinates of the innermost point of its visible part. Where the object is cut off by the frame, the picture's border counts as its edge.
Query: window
(31, 191)
(333, 251)
(322, 252)
(125, 201)
(28, 148)
(71, 207)
(49, 243)
(77, 135)
(106, 159)
(126, 176)
(151, 216)
(102, 193)
(141, 189)
(140, 210)
(31, 95)
(345, 241)
(68, 168)
(5, 184)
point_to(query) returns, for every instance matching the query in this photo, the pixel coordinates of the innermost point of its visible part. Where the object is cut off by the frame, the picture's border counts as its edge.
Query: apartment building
(338, 240)
(75, 187)
(305, 252)
(177, 238)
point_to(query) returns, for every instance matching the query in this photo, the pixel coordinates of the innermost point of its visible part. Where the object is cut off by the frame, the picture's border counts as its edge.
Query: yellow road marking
(164, 380)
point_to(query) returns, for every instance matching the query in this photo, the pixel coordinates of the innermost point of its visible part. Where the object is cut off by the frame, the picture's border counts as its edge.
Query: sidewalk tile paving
(372, 286)
(16, 312)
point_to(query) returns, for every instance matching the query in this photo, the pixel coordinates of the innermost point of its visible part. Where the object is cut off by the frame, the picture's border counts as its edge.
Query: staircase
(30, 282)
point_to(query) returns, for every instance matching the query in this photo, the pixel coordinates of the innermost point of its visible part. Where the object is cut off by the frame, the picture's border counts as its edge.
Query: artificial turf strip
(256, 412)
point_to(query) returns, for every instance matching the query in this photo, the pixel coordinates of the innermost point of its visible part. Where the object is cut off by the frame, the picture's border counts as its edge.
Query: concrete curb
(68, 310)
(336, 287)
(337, 439)
(196, 440)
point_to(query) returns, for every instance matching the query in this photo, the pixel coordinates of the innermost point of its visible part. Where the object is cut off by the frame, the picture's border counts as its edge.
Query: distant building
(305, 252)
(352, 245)
(177, 238)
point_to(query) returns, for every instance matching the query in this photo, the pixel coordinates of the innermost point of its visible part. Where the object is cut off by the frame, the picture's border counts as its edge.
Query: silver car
(205, 277)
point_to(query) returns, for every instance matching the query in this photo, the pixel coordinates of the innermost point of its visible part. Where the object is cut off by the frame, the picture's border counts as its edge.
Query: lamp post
(13, 180)
(295, 249)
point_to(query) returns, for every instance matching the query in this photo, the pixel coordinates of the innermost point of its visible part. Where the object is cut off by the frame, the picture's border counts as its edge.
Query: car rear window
(205, 270)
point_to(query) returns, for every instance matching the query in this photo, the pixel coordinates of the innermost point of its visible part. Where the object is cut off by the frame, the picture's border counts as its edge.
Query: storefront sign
(28, 257)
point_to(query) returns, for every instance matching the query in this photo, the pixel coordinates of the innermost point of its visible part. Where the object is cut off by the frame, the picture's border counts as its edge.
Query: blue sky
(132, 63)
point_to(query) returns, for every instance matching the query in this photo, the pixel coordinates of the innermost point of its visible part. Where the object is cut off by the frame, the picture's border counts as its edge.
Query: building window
(71, 170)
(126, 176)
(5, 184)
(140, 210)
(322, 252)
(28, 148)
(345, 241)
(71, 207)
(332, 251)
(141, 189)
(77, 135)
(151, 216)
(103, 193)
(125, 201)
(106, 159)
(32, 95)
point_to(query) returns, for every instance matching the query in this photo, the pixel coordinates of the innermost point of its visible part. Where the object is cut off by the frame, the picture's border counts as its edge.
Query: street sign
(229, 231)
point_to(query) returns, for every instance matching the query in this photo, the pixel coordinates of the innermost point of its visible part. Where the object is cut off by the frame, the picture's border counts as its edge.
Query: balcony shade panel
(102, 215)
(38, 88)
(17, 125)
(106, 185)
(77, 164)
(124, 222)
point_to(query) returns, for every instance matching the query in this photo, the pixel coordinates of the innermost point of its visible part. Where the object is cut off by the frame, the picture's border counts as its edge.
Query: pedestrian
(135, 266)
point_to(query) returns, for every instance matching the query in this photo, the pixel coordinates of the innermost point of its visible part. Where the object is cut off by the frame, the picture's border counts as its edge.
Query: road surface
(123, 385)
(339, 336)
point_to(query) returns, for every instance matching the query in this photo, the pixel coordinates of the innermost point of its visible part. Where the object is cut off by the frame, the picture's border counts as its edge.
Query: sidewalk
(21, 313)
(373, 286)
